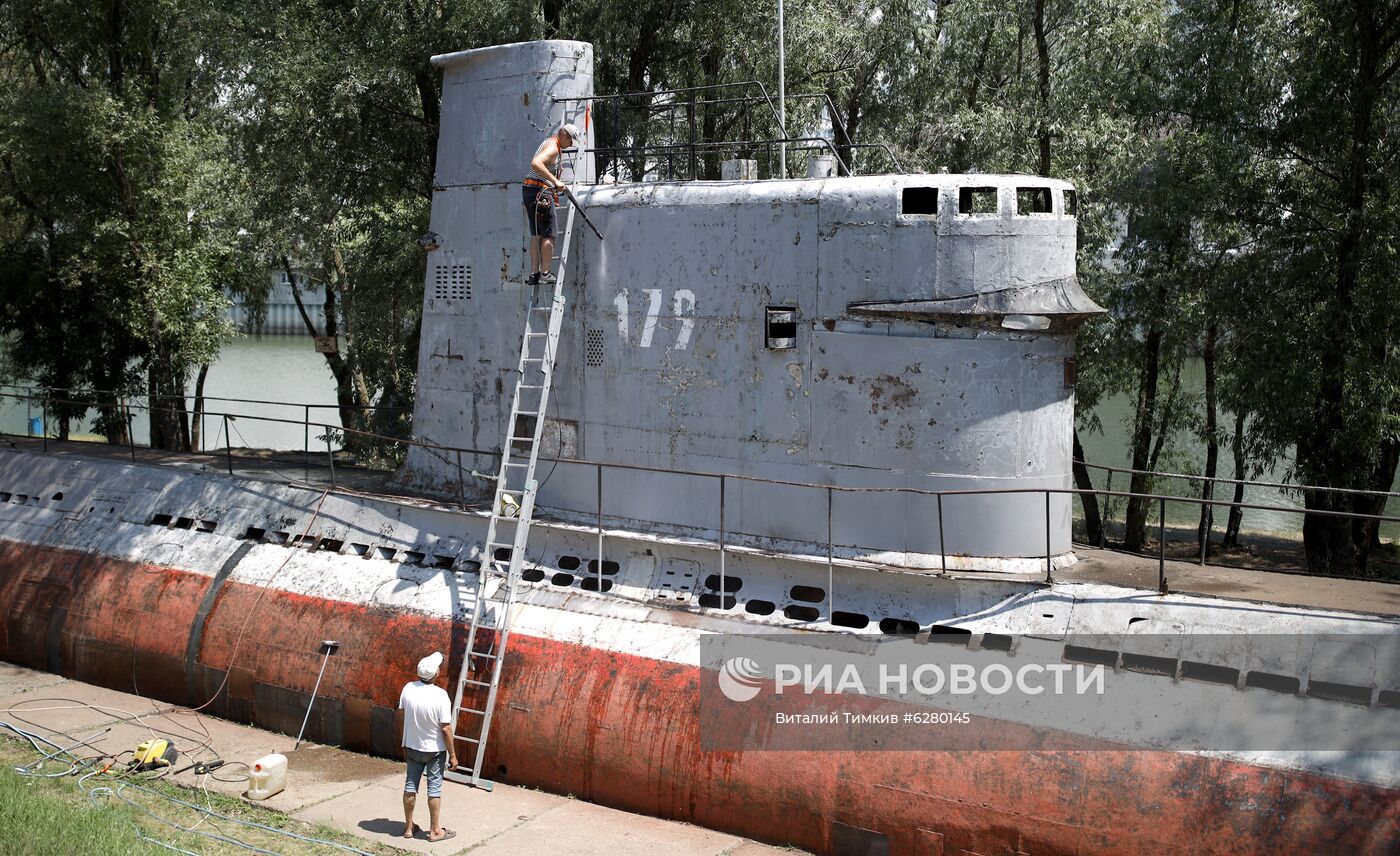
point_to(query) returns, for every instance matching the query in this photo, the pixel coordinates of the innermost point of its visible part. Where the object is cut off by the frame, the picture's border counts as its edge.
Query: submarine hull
(624, 729)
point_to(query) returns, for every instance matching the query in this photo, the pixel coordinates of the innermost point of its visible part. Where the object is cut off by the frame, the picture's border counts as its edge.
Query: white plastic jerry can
(268, 776)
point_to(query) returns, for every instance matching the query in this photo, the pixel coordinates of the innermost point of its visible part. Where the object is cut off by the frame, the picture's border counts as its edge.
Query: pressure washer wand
(579, 208)
(328, 646)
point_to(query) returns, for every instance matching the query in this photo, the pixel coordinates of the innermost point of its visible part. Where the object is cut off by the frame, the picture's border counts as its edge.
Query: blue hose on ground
(76, 764)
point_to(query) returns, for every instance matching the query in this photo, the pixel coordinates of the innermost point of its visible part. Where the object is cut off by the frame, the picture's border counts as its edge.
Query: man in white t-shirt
(427, 743)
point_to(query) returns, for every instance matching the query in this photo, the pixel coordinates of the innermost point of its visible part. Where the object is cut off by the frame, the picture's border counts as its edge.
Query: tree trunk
(710, 156)
(166, 392)
(1135, 519)
(111, 420)
(1042, 56)
(1093, 524)
(1331, 543)
(1212, 441)
(1232, 526)
(553, 12)
(1369, 531)
(197, 419)
(1168, 410)
(345, 381)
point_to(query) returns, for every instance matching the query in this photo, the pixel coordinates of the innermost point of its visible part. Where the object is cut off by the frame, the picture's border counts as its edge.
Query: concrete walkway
(355, 793)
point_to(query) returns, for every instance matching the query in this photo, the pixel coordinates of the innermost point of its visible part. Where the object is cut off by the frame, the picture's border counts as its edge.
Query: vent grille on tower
(452, 282)
(594, 348)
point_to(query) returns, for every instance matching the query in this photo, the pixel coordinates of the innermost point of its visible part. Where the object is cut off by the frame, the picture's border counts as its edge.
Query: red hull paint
(624, 730)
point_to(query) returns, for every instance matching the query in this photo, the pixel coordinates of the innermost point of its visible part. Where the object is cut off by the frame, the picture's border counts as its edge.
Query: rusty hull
(624, 730)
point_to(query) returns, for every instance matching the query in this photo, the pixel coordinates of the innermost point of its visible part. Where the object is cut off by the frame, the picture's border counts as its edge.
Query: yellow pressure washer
(153, 755)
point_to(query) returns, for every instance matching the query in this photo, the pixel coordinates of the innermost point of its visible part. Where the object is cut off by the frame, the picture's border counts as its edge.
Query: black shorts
(541, 217)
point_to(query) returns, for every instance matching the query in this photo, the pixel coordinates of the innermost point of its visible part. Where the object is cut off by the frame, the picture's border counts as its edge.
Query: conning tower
(874, 332)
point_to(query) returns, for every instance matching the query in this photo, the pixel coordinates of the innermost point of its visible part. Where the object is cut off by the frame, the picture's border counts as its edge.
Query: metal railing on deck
(659, 135)
(721, 543)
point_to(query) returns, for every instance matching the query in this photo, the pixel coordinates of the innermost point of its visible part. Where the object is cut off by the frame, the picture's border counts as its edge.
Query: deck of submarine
(1279, 584)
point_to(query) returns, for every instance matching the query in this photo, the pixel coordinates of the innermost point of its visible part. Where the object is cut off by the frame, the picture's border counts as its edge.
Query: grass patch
(56, 816)
(41, 815)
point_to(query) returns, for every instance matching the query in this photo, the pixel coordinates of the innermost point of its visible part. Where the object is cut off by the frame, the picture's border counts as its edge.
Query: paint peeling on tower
(933, 319)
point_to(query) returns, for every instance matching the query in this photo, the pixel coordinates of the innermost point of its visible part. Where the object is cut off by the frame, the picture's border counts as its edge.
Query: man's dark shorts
(541, 217)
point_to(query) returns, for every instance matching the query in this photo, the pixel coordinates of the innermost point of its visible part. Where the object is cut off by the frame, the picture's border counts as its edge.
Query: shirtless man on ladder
(540, 182)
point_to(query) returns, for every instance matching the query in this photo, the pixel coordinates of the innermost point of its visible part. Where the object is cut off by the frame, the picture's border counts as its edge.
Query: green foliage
(117, 174)
(1233, 159)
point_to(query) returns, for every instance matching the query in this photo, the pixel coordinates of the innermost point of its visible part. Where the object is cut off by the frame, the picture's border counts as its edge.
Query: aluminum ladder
(513, 506)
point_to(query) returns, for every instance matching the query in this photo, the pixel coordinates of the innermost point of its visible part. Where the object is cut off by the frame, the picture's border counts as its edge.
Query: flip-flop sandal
(416, 829)
(446, 834)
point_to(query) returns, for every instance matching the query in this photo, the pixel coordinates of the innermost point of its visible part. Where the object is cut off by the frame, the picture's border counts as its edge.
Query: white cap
(428, 666)
(572, 130)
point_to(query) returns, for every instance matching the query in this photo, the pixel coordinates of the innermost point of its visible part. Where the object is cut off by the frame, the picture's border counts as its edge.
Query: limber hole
(1275, 683)
(207, 525)
(568, 563)
(1092, 656)
(562, 579)
(759, 607)
(731, 582)
(5, 495)
(184, 523)
(713, 601)
(800, 613)
(502, 554)
(386, 553)
(412, 557)
(949, 635)
(810, 594)
(899, 627)
(996, 642)
(1207, 672)
(58, 496)
(609, 566)
(1151, 665)
(854, 620)
(161, 520)
(443, 562)
(359, 549)
(532, 575)
(1331, 691)
(254, 533)
(1390, 698)
(278, 537)
(591, 584)
(330, 545)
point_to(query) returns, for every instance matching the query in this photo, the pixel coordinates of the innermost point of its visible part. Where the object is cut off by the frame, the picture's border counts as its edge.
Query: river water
(287, 369)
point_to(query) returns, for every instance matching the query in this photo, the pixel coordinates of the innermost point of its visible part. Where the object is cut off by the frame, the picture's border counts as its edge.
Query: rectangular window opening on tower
(977, 200)
(1071, 203)
(1032, 200)
(919, 200)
